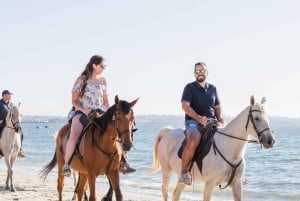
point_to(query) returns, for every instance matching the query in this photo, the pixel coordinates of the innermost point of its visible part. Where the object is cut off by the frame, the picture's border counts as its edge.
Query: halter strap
(234, 167)
(13, 123)
(250, 117)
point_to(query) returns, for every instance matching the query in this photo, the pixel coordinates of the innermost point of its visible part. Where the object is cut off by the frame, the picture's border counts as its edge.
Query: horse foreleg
(207, 191)
(9, 181)
(237, 190)
(82, 179)
(177, 191)
(115, 183)
(109, 193)
(92, 184)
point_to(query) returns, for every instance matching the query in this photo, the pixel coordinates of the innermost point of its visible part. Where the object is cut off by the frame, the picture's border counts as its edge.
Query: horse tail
(45, 171)
(156, 163)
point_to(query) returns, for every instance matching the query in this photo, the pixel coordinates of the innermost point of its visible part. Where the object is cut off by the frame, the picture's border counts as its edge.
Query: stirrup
(66, 170)
(126, 169)
(184, 178)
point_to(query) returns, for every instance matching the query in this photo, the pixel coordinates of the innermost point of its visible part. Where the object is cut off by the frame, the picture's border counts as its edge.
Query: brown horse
(99, 151)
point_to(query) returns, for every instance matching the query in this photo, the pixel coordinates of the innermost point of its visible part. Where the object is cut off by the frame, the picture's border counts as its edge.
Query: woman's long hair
(87, 72)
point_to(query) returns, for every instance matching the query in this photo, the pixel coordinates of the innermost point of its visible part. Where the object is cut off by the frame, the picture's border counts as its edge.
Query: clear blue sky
(250, 47)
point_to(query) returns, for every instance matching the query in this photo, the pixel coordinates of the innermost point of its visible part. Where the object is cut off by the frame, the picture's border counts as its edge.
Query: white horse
(10, 142)
(225, 161)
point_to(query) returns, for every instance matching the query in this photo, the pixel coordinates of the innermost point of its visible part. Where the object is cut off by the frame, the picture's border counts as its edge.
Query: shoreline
(29, 187)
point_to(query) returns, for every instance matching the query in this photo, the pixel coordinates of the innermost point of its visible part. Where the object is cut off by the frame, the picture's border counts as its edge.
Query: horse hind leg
(166, 176)
(60, 181)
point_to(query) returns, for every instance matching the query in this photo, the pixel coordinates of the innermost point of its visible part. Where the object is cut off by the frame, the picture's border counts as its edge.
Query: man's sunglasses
(200, 72)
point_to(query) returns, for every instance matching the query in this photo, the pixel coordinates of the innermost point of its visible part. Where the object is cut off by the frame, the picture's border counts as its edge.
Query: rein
(116, 139)
(13, 123)
(235, 166)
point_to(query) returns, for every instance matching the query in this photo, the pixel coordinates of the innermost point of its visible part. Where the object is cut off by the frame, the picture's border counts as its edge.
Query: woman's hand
(86, 111)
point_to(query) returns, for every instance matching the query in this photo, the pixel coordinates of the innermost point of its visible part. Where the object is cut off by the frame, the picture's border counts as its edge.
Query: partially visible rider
(89, 93)
(201, 105)
(5, 105)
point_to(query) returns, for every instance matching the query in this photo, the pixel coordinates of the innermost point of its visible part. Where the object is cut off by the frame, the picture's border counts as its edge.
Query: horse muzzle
(268, 141)
(18, 129)
(127, 146)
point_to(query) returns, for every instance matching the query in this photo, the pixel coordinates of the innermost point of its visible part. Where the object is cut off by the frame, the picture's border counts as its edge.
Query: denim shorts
(191, 125)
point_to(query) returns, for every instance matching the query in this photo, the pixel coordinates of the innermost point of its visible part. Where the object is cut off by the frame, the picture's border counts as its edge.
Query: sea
(273, 175)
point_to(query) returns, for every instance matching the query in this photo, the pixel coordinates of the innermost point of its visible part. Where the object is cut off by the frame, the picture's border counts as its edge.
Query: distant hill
(146, 118)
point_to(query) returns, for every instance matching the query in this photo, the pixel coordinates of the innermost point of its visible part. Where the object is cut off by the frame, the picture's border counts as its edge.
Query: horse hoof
(106, 199)
(13, 190)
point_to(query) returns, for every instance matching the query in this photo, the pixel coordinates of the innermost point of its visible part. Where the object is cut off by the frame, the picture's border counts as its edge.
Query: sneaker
(21, 153)
(184, 178)
(66, 171)
(125, 169)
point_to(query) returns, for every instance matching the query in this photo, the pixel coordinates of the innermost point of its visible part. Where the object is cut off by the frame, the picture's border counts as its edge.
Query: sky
(150, 48)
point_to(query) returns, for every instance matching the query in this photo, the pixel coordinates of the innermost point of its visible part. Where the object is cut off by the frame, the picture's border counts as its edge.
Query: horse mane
(108, 116)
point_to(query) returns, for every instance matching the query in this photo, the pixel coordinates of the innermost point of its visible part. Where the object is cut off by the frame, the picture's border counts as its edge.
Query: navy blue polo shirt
(4, 108)
(202, 100)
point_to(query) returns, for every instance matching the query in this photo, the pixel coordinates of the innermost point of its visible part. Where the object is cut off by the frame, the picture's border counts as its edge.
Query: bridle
(117, 139)
(235, 166)
(120, 133)
(250, 118)
(13, 123)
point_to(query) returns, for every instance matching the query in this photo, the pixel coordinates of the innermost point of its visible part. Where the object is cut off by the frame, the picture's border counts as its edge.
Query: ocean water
(273, 175)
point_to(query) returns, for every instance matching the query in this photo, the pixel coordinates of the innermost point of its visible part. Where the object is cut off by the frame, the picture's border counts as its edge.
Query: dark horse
(100, 149)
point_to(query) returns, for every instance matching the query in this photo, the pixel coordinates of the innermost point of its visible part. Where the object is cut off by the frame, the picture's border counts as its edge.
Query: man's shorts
(191, 125)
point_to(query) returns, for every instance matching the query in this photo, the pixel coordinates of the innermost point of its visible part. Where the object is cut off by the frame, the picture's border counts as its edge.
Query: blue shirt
(202, 100)
(4, 108)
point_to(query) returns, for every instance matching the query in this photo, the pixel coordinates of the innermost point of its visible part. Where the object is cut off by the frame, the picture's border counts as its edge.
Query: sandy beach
(31, 188)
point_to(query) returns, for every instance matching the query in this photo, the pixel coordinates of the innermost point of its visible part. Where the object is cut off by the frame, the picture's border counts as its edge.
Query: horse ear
(132, 103)
(117, 101)
(252, 100)
(263, 100)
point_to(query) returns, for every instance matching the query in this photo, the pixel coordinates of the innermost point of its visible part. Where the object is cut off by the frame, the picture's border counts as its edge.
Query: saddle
(86, 122)
(204, 146)
(2, 125)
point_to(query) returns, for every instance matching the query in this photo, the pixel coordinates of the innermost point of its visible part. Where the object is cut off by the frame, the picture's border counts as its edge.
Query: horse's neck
(108, 136)
(236, 128)
(7, 131)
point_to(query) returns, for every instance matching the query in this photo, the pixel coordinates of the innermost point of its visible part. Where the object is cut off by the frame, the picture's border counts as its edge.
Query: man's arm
(218, 112)
(191, 113)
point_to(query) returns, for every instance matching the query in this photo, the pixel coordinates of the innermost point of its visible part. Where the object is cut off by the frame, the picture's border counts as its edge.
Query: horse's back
(61, 139)
(62, 134)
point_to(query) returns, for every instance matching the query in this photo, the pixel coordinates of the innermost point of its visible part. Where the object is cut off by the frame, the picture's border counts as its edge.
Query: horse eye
(256, 119)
